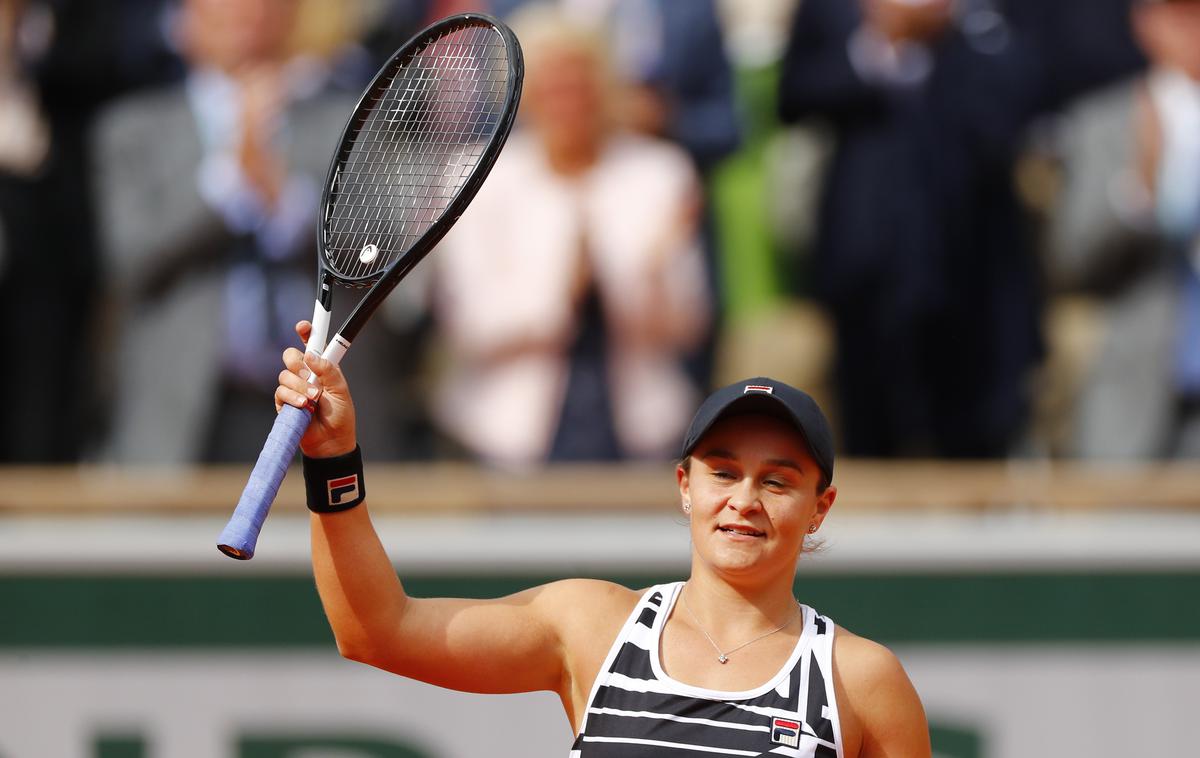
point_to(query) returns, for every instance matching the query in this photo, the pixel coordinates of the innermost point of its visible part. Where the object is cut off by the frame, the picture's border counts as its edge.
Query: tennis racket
(419, 143)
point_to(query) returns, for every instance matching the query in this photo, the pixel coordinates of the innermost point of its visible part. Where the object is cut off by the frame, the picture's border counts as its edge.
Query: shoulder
(589, 599)
(863, 661)
(648, 155)
(881, 711)
(1115, 99)
(315, 126)
(326, 107)
(129, 118)
(521, 164)
(588, 615)
(1100, 121)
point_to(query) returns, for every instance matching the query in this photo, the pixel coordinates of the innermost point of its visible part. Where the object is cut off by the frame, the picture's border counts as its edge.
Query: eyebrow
(785, 463)
(775, 462)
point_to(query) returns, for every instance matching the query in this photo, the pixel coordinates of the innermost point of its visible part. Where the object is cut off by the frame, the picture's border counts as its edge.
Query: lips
(741, 530)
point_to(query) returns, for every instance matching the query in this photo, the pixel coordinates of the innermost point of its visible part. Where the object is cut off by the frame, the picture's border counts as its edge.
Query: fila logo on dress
(785, 732)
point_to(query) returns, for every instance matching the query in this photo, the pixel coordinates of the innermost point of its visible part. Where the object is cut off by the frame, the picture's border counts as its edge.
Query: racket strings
(428, 127)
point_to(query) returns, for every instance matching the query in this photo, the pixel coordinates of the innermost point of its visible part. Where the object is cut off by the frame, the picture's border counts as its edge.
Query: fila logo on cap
(343, 489)
(785, 732)
(758, 388)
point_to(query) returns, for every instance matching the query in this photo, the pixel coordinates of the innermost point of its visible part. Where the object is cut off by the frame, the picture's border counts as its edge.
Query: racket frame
(239, 538)
(386, 281)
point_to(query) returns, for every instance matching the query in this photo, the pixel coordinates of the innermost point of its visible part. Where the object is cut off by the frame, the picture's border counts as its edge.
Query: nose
(744, 498)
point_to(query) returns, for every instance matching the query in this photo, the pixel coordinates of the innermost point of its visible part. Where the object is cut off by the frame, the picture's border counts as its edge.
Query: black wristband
(334, 484)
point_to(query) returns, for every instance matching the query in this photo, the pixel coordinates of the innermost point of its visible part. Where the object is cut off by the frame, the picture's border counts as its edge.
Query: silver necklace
(723, 655)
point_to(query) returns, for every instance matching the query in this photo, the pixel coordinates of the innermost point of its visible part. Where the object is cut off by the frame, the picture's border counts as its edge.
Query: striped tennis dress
(637, 711)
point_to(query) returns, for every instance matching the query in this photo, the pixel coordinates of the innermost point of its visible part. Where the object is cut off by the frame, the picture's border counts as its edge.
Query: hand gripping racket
(421, 140)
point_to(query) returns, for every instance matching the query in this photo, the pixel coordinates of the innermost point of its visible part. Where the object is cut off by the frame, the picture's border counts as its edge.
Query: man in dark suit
(920, 256)
(207, 197)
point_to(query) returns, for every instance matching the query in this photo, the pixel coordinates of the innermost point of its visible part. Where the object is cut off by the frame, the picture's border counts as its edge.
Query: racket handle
(241, 533)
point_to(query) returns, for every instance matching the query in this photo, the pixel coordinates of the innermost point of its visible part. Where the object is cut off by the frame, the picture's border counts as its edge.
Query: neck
(739, 608)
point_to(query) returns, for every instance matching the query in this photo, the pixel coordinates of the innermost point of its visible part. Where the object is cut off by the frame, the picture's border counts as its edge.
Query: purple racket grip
(241, 533)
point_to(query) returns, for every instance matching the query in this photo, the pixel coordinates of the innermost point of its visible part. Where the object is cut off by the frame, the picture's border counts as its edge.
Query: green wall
(196, 611)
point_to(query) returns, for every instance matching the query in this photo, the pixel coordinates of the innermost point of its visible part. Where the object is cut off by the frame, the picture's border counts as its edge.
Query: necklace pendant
(723, 659)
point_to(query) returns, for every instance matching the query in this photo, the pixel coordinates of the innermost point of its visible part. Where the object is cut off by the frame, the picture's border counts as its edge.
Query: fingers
(294, 360)
(302, 364)
(294, 389)
(306, 377)
(328, 374)
(287, 396)
(304, 330)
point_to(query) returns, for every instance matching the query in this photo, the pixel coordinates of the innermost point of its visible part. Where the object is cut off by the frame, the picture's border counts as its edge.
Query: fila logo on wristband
(759, 388)
(343, 489)
(334, 484)
(785, 732)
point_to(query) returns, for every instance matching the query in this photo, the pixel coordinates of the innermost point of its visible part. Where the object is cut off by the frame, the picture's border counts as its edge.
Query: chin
(737, 562)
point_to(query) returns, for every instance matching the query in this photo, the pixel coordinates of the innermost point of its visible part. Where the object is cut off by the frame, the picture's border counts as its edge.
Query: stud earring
(812, 528)
(687, 506)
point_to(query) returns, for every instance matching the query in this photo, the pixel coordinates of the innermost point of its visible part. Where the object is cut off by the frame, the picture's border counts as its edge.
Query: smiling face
(752, 486)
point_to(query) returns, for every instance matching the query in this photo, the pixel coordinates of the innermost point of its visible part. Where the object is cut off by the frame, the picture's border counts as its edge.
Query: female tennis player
(725, 663)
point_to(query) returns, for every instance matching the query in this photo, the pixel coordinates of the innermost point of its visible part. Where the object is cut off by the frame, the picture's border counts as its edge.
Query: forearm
(362, 596)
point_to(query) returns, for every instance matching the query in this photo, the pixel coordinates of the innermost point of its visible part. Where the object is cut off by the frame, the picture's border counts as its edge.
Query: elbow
(354, 644)
(375, 649)
(357, 651)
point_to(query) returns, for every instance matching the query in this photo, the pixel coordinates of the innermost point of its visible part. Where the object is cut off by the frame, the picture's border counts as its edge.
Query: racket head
(415, 150)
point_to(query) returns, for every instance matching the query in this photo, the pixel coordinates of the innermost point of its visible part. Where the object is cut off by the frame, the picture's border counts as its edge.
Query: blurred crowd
(971, 228)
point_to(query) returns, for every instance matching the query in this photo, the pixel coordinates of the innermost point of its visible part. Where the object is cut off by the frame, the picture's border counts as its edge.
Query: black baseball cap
(773, 398)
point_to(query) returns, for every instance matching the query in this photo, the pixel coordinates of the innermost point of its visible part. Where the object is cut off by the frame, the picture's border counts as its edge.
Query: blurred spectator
(208, 192)
(367, 32)
(670, 58)
(675, 82)
(572, 286)
(59, 61)
(920, 254)
(1128, 232)
(764, 199)
(1081, 44)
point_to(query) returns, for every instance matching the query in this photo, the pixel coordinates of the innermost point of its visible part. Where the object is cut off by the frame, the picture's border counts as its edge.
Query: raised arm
(524, 642)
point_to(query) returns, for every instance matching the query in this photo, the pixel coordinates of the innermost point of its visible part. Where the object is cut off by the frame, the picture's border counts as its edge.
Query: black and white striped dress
(637, 711)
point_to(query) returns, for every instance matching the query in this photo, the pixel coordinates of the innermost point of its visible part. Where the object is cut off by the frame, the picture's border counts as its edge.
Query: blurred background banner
(1029, 630)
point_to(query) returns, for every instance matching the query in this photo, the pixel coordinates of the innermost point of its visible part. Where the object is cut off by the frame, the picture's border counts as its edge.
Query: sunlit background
(970, 228)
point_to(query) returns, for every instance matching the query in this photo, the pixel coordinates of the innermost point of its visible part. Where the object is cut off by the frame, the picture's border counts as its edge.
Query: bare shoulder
(588, 605)
(864, 663)
(881, 712)
(598, 591)
(586, 611)
(590, 614)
